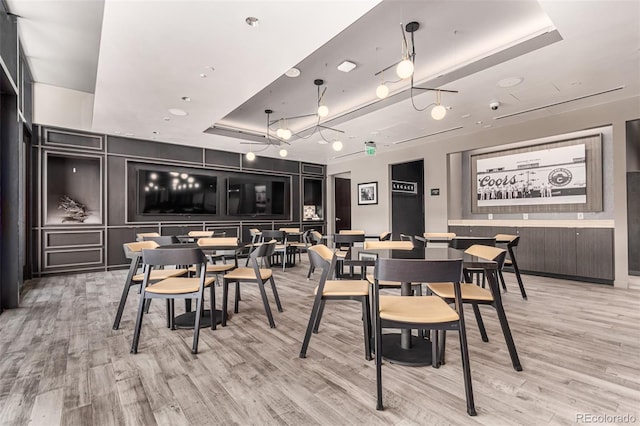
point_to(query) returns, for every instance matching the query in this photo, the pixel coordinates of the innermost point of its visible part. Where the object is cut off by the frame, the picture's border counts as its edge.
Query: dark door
(407, 199)
(342, 203)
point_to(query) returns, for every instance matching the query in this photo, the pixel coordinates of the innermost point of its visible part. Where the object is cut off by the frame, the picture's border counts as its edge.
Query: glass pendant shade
(405, 68)
(438, 112)
(250, 156)
(323, 111)
(337, 146)
(286, 134)
(283, 152)
(382, 91)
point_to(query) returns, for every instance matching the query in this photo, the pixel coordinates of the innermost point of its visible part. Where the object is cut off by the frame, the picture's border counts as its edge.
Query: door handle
(337, 218)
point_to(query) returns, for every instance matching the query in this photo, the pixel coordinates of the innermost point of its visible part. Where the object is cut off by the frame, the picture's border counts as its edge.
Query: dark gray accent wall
(407, 210)
(98, 246)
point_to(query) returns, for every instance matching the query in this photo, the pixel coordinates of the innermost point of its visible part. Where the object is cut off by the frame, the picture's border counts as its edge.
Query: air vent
(526, 111)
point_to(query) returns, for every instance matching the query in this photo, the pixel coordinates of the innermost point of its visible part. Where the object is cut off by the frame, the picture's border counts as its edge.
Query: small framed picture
(372, 257)
(368, 193)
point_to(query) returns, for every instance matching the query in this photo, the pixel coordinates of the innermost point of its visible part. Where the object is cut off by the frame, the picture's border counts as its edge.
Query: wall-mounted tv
(178, 192)
(257, 195)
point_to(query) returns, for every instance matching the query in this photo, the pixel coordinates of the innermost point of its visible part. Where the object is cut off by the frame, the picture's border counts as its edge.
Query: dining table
(406, 348)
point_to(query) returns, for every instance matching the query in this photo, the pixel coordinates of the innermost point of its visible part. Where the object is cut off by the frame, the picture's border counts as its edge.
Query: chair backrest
(256, 235)
(385, 236)
(140, 236)
(488, 252)
(218, 241)
(347, 240)
(163, 240)
(351, 232)
(390, 245)
(316, 236)
(442, 235)
(264, 250)
(513, 240)
(268, 235)
(412, 239)
(418, 271)
(173, 256)
(200, 233)
(321, 256)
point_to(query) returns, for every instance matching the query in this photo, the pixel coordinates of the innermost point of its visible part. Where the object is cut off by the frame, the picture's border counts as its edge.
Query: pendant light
(323, 110)
(438, 111)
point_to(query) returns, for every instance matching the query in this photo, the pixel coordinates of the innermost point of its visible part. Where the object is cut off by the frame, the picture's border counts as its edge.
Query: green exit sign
(370, 150)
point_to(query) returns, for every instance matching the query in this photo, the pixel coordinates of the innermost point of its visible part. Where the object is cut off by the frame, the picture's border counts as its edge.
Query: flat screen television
(177, 192)
(258, 196)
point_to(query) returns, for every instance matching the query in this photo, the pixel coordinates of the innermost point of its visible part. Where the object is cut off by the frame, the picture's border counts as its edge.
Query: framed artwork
(563, 176)
(368, 193)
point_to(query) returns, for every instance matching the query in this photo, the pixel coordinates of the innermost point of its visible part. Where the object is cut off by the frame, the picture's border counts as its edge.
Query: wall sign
(404, 187)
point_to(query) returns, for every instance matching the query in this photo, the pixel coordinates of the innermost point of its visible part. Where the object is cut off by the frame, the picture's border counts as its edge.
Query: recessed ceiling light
(177, 111)
(346, 66)
(322, 142)
(117, 132)
(293, 73)
(510, 82)
(252, 22)
(203, 75)
(166, 118)
(209, 68)
(186, 98)
(486, 126)
(155, 132)
(479, 122)
(465, 116)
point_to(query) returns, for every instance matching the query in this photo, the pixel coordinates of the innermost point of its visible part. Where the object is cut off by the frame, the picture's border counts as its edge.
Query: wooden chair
(343, 242)
(163, 240)
(133, 251)
(412, 239)
(213, 268)
(424, 312)
(321, 256)
(351, 232)
(511, 242)
(142, 235)
(175, 287)
(281, 249)
(475, 296)
(315, 237)
(437, 238)
(303, 245)
(256, 275)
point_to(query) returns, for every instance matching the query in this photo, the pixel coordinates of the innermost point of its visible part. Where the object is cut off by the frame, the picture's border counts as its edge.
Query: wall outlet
(580, 215)
(490, 216)
(525, 216)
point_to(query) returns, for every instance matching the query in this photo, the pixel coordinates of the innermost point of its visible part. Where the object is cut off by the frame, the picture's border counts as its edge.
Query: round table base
(188, 319)
(417, 356)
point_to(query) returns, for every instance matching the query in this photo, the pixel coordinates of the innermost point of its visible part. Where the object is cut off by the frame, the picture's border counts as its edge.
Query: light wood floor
(61, 363)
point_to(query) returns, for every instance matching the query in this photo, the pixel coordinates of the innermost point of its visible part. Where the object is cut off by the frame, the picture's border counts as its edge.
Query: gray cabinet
(559, 251)
(594, 253)
(530, 252)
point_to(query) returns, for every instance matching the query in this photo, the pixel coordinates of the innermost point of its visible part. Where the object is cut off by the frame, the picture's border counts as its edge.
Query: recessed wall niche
(73, 189)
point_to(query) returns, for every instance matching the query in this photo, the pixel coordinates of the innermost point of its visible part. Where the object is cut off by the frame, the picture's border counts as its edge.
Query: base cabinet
(579, 253)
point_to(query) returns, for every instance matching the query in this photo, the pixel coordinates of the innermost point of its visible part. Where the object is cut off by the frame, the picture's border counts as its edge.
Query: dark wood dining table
(405, 348)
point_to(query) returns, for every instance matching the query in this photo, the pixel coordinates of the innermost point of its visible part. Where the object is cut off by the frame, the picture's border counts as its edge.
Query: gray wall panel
(149, 149)
(221, 158)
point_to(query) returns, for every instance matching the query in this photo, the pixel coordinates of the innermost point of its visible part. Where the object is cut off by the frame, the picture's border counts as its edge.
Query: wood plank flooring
(61, 363)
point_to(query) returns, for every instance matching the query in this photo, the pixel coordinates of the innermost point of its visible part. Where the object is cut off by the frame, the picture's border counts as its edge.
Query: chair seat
(299, 245)
(248, 274)
(177, 285)
(469, 291)
(160, 274)
(419, 310)
(215, 268)
(281, 247)
(341, 253)
(508, 262)
(345, 288)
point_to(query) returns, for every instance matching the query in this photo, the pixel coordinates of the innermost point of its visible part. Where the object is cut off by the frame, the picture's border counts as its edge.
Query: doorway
(342, 203)
(407, 199)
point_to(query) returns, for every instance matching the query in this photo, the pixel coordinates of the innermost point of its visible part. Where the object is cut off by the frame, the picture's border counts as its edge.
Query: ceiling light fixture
(323, 110)
(405, 69)
(346, 66)
(283, 153)
(178, 112)
(252, 22)
(250, 156)
(337, 145)
(293, 73)
(186, 98)
(382, 91)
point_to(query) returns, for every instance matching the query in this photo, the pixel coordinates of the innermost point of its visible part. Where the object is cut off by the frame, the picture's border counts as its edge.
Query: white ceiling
(151, 53)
